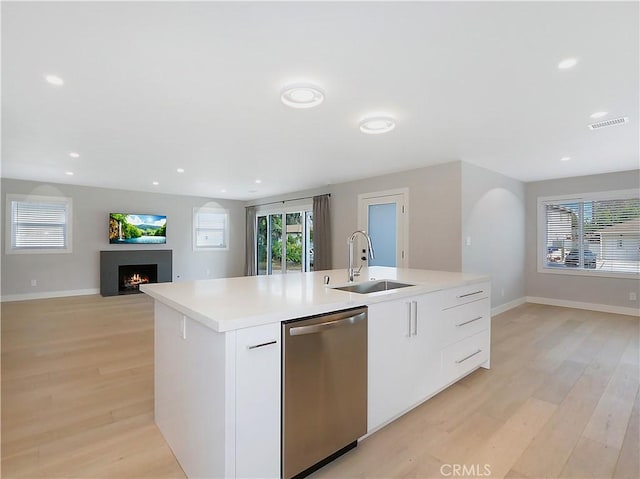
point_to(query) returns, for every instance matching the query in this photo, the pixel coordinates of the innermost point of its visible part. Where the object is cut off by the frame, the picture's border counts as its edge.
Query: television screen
(127, 228)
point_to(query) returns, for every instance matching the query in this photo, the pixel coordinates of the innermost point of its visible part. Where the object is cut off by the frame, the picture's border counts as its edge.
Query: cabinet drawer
(465, 294)
(459, 322)
(464, 356)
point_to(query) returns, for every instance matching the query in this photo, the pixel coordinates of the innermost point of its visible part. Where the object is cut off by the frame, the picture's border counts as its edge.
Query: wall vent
(606, 123)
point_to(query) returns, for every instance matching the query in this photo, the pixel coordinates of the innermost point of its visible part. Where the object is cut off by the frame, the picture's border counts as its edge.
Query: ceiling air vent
(606, 123)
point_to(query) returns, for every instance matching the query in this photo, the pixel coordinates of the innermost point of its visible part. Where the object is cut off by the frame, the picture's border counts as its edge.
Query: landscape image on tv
(137, 229)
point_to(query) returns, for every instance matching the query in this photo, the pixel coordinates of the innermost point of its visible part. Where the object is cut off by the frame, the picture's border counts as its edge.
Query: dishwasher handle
(320, 327)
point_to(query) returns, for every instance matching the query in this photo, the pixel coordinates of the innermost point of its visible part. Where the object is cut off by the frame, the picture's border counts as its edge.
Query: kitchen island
(218, 355)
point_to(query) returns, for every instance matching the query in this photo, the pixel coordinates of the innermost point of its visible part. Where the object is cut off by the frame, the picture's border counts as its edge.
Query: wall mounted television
(128, 228)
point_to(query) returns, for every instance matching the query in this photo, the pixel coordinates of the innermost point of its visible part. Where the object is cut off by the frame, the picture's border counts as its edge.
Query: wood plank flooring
(561, 400)
(77, 390)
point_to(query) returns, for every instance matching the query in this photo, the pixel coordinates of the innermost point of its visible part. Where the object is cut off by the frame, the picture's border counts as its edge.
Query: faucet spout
(350, 242)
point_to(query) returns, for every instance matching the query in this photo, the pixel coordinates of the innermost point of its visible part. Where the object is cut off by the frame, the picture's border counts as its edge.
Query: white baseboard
(47, 295)
(507, 306)
(604, 308)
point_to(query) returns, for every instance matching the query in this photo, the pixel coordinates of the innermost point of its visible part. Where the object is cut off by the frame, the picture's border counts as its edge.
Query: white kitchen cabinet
(402, 354)
(464, 331)
(460, 322)
(465, 294)
(217, 396)
(464, 356)
(258, 352)
(193, 393)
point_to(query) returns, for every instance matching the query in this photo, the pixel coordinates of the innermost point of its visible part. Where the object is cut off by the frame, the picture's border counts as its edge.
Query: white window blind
(592, 234)
(39, 224)
(210, 229)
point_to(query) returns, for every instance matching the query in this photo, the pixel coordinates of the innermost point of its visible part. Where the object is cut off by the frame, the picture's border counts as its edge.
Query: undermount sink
(373, 286)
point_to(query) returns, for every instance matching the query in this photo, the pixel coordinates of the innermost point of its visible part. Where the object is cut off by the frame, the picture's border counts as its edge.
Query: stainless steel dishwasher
(324, 389)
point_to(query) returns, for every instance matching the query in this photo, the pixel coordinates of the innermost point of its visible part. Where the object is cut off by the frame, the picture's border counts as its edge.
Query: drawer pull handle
(470, 321)
(255, 346)
(459, 361)
(469, 294)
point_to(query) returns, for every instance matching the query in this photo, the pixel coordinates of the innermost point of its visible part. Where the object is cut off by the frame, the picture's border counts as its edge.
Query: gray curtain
(250, 268)
(322, 233)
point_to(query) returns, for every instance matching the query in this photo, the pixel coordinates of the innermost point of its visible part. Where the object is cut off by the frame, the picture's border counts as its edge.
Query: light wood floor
(561, 400)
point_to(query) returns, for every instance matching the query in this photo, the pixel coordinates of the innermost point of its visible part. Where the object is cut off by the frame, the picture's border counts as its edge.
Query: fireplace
(131, 276)
(122, 272)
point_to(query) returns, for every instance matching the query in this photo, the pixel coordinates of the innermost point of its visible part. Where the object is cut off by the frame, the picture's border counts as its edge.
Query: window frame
(541, 246)
(62, 200)
(209, 209)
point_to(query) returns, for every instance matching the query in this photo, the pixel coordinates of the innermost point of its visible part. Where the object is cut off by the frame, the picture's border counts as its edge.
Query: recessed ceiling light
(223, 190)
(73, 154)
(374, 126)
(302, 96)
(155, 183)
(258, 182)
(565, 158)
(567, 63)
(68, 173)
(599, 114)
(180, 170)
(54, 80)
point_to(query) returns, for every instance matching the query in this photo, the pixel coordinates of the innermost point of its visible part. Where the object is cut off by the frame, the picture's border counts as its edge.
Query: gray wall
(608, 291)
(493, 218)
(79, 270)
(434, 213)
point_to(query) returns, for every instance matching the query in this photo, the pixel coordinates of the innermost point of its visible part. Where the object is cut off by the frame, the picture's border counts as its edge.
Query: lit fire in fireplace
(135, 280)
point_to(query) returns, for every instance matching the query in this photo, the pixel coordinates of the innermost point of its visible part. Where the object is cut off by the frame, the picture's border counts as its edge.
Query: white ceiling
(152, 87)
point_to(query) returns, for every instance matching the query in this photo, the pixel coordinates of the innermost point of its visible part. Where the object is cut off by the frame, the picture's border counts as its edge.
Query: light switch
(468, 241)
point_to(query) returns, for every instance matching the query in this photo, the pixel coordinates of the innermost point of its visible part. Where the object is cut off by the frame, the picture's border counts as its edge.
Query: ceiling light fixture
(68, 173)
(73, 154)
(223, 190)
(258, 182)
(54, 80)
(180, 170)
(567, 63)
(155, 183)
(599, 114)
(565, 158)
(377, 125)
(302, 96)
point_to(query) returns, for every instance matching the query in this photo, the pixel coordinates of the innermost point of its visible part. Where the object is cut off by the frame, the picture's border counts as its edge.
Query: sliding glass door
(284, 242)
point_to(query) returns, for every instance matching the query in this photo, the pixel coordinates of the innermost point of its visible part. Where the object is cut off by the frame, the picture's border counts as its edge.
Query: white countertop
(234, 303)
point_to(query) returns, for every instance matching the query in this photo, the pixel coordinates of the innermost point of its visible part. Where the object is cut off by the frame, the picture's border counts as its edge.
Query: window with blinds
(597, 233)
(210, 229)
(39, 224)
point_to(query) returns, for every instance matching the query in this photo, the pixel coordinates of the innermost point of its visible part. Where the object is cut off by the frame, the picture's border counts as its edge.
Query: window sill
(37, 251)
(213, 248)
(593, 273)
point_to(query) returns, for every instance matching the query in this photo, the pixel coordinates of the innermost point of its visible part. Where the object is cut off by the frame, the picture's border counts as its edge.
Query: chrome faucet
(372, 254)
